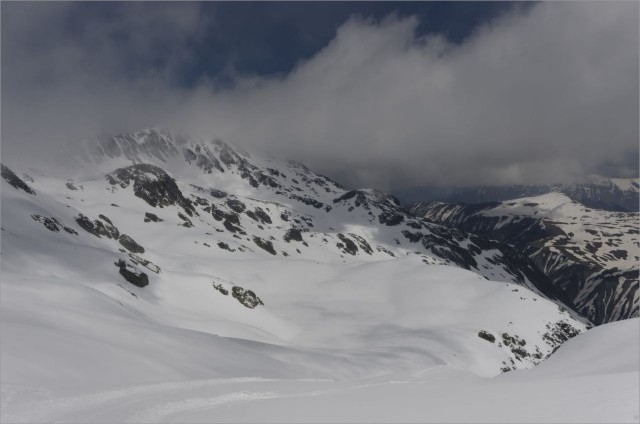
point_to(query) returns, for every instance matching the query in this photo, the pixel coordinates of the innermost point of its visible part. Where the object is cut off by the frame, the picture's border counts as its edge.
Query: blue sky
(271, 37)
(383, 94)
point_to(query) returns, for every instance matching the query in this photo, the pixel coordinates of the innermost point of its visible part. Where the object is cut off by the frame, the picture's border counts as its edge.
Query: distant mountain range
(591, 254)
(612, 194)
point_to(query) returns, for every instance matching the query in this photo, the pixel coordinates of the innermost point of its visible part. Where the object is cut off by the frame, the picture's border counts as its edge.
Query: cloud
(546, 93)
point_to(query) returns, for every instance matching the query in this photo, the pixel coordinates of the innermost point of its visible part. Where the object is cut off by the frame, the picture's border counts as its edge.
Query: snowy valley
(162, 278)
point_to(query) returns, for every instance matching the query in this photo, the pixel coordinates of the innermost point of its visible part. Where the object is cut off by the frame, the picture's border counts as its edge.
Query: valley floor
(593, 378)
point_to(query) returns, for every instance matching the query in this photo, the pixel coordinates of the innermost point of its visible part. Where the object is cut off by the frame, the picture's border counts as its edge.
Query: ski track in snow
(153, 402)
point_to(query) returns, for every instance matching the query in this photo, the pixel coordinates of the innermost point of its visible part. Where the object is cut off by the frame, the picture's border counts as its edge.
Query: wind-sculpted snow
(182, 274)
(592, 255)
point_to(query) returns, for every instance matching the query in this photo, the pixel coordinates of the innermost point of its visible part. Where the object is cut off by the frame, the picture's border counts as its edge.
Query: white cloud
(543, 94)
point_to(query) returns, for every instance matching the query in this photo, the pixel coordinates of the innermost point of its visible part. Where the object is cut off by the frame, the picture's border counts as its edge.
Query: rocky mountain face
(611, 194)
(590, 254)
(157, 212)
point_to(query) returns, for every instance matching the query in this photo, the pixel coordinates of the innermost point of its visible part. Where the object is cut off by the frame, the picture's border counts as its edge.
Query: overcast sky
(391, 95)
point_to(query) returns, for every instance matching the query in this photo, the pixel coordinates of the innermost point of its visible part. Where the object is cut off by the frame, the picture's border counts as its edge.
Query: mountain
(157, 263)
(591, 254)
(611, 194)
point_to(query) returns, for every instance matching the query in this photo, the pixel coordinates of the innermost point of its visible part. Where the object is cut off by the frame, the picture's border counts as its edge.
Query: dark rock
(307, 201)
(246, 297)
(218, 194)
(412, 237)
(130, 244)
(364, 245)
(186, 221)
(390, 218)
(263, 216)
(151, 217)
(221, 289)
(264, 244)
(225, 246)
(70, 230)
(236, 205)
(152, 184)
(50, 224)
(347, 245)
(487, 336)
(293, 234)
(14, 180)
(133, 276)
(70, 186)
(98, 228)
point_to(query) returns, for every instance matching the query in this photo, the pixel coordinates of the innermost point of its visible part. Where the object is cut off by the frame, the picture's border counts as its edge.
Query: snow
(339, 338)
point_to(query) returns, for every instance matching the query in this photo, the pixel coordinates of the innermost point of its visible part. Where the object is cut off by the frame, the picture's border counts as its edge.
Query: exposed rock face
(616, 195)
(186, 222)
(594, 267)
(218, 194)
(152, 184)
(14, 180)
(221, 289)
(487, 336)
(293, 234)
(151, 217)
(130, 244)
(132, 275)
(52, 224)
(347, 245)
(99, 227)
(236, 205)
(264, 244)
(246, 297)
(203, 159)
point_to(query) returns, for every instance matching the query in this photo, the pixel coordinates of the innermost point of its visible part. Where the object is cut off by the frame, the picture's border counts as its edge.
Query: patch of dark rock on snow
(264, 244)
(390, 218)
(236, 205)
(347, 245)
(130, 244)
(186, 221)
(487, 336)
(220, 289)
(14, 180)
(412, 237)
(259, 215)
(292, 234)
(559, 333)
(218, 194)
(151, 217)
(50, 224)
(516, 344)
(97, 227)
(232, 228)
(364, 245)
(152, 184)
(225, 246)
(135, 277)
(307, 201)
(246, 297)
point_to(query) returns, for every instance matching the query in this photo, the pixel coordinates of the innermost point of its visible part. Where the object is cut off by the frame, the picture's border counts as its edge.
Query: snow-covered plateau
(164, 279)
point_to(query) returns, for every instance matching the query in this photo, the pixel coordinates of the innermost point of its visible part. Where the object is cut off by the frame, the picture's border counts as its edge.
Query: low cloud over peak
(542, 94)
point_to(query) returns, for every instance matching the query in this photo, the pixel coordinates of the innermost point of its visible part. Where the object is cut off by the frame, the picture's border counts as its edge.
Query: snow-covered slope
(591, 254)
(161, 266)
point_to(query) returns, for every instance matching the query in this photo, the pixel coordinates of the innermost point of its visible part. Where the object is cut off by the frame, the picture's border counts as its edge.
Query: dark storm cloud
(541, 94)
